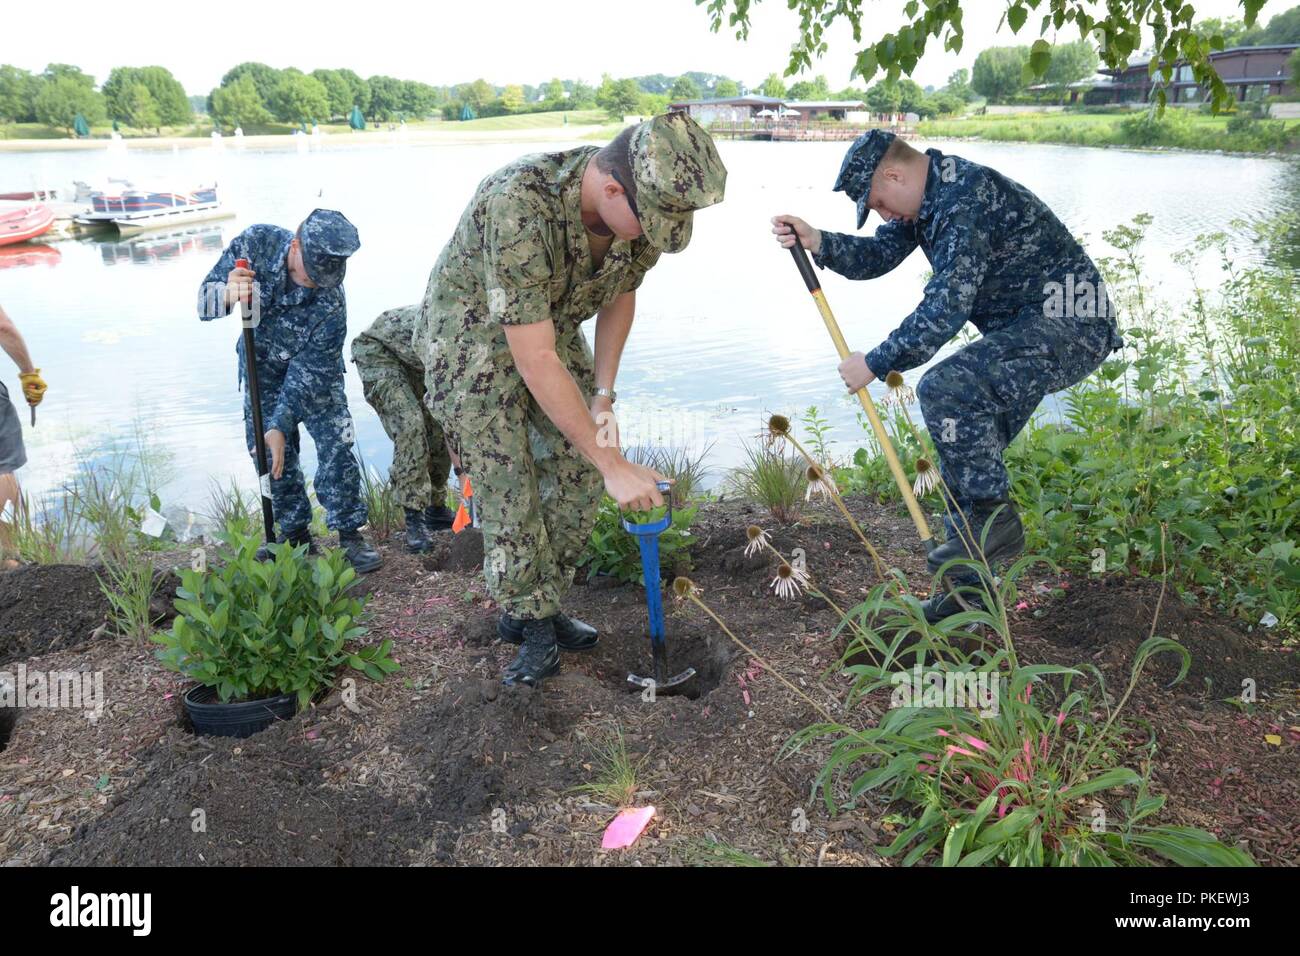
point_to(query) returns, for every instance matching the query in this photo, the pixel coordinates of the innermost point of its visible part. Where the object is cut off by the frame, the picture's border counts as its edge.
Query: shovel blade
(676, 684)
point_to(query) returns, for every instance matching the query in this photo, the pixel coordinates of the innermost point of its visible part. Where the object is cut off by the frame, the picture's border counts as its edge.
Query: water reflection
(153, 248)
(28, 254)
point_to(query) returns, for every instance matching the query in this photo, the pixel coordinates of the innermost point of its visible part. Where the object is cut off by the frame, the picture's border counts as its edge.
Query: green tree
(1283, 28)
(59, 71)
(265, 79)
(142, 110)
(581, 96)
(338, 92)
(419, 100)
(1116, 28)
(238, 104)
(512, 98)
(62, 98)
(619, 98)
(726, 89)
(358, 90)
(773, 86)
(553, 94)
(959, 85)
(18, 91)
(684, 88)
(168, 96)
(815, 89)
(299, 97)
(911, 98)
(884, 98)
(385, 97)
(652, 104)
(1293, 63)
(1071, 63)
(946, 103)
(999, 72)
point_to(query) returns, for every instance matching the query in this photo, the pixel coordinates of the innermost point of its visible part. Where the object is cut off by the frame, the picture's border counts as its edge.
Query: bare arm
(533, 348)
(612, 327)
(11, 340)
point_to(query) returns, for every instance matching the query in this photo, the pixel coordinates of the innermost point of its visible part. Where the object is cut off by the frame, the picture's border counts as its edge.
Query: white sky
(502, 41)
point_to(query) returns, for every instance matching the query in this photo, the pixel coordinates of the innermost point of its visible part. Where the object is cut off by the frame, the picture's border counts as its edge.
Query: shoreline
(1249, 154)
(289, 141)
(281, 141)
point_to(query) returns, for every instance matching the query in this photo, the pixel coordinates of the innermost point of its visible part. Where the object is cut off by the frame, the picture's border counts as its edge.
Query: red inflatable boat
(23, 223)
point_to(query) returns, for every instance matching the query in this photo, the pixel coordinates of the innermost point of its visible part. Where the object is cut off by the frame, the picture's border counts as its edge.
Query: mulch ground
(441, 765)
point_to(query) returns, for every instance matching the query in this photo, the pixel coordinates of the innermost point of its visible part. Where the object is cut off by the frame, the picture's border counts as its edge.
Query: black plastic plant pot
(241, 718)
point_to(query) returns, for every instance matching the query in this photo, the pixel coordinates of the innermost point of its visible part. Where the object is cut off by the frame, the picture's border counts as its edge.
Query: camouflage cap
(677, 171)
(859, 166)
(327, 240)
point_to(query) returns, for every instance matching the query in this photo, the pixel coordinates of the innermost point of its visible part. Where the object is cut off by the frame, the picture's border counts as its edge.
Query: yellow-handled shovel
(895, 466)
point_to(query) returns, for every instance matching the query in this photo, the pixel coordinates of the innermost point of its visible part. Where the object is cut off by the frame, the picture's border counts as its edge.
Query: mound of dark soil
(1104, 621)
(52, 607)
(259, 801)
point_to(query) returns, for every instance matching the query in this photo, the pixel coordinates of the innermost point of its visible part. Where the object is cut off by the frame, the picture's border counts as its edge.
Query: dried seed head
(779, 425)
(927, 478)
(820, 483)
(683, 587)
(785, 571)
(758, 540)
(899, 392)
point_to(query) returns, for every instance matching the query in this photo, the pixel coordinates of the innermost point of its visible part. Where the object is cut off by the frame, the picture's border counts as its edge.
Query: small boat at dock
(131, 210)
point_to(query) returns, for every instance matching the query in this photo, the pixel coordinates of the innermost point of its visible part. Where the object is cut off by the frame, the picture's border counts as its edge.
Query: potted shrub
(262, 638)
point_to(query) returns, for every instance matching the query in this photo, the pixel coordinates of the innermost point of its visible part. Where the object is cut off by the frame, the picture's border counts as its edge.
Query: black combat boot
(358, 551)
(417, 532)
(944, 604)
(538, 657)
(1005, 540)
(570, 634)
(295, 538)
(438, 518)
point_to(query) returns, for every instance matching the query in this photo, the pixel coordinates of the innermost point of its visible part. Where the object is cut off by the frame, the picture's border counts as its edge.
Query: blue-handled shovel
(647, 536)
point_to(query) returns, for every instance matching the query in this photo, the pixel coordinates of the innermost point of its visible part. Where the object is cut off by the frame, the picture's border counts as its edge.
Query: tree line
(255, 94)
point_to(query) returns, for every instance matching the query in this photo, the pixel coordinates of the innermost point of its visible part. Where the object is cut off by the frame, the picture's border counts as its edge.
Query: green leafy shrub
(997, 774)
(255, 629)
(614, 551)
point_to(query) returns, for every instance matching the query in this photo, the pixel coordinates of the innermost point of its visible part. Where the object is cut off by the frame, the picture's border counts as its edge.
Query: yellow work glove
(33, 386)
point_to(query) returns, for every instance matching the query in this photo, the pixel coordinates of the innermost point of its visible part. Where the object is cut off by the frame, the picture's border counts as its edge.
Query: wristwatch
(607, 393)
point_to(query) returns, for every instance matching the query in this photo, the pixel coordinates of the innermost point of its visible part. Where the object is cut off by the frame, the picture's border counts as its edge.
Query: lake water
(725, 332)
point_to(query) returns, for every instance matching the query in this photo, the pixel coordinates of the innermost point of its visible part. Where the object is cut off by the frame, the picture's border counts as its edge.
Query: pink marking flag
(626, 827)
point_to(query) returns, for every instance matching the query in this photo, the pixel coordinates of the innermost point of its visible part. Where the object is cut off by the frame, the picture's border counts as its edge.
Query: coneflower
(778, 426)
(820, 483)
(758, 540)
(789, 581)
(927, 478)
(899, 393)
(684, 588)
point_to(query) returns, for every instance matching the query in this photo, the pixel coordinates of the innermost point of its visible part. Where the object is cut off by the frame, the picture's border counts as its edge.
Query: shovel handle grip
(805, 266)
(654, 527)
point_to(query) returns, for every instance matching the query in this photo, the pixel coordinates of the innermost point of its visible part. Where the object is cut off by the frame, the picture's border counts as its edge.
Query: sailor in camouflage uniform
(392, 376)
(1003, 262)
(301, 317)
(547, 242)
